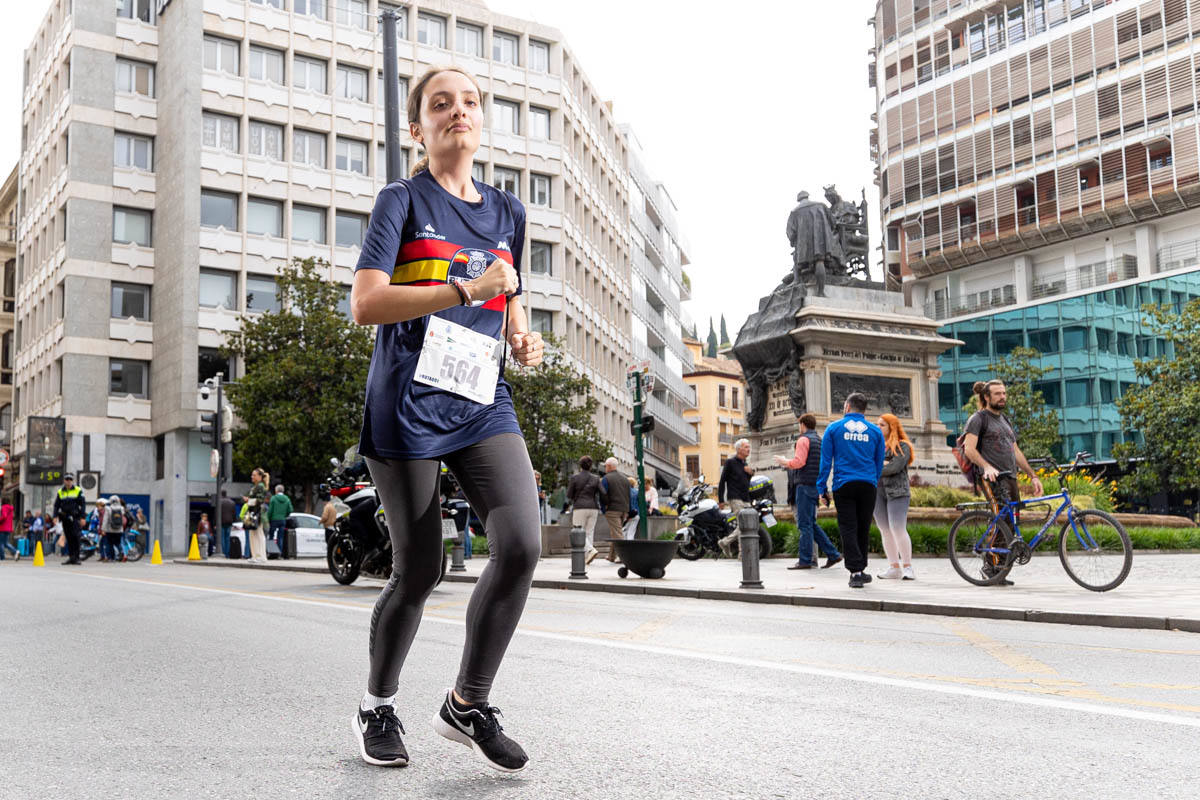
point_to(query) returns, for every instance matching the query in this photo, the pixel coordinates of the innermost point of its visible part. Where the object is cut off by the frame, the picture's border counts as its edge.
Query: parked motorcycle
(702, 523)
(360, 544)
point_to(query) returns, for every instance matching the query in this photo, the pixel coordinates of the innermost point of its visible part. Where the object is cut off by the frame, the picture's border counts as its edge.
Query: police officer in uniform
(68, 507)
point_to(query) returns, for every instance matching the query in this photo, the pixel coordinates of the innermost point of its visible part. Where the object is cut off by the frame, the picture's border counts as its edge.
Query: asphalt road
(132, 681)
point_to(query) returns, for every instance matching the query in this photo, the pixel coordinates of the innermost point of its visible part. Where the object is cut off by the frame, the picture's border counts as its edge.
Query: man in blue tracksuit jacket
(853, 448)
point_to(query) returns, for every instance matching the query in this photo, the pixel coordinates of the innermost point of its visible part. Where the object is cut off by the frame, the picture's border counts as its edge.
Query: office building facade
(175, 154)
(1039, 178)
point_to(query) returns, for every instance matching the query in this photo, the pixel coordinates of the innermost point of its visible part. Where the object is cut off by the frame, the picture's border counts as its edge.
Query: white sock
(370, 702)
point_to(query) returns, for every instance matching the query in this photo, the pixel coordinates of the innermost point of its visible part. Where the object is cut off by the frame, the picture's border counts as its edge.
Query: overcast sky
(737, 107)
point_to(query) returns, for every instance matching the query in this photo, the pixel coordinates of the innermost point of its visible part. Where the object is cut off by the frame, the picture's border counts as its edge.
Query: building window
(477, 171)
(721, 395)
(352, 13)
(160, 456)
(1161, 157)
(1044, 341)
(308, 147)
(539, 258)
(131, 226)
(351, 156)
(539, 56)
(261, 294)
(221, 132)
(308, 224)
(431, 30)
(309, 73)
(218, 210)
(273, 4)
(135, 77)
(352, 83)
(266, 140)
(131, 300)
(127, 376)
(133, 151)
(735, 398)
(468, 39)
(506, 117)
(134, 9)
(311, 8)
(210, 362)
(505, 179)
(539, 189)
(264, 217)
(402, 94)
(266, 64)
(693, 466)
(381, 162)
(222, 55)
(1079, 392)
(217, 289)
(541, 321)
(349, 229)
(539, 123)
(505, 47)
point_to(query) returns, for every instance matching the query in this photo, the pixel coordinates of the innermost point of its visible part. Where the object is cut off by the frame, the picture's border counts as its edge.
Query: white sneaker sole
(362, 747)
(448, 731)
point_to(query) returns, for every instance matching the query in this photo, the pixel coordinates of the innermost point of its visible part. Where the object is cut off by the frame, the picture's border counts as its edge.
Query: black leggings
(497, 479)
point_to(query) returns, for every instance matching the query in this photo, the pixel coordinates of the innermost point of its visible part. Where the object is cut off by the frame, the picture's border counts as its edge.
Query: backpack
(969, 470)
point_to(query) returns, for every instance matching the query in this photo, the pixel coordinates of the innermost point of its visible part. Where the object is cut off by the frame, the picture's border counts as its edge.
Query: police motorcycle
(359, 544)
(702, 522)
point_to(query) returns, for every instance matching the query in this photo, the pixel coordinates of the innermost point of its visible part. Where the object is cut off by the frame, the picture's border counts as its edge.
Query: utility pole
(217, 428)
(391, 95)
(641, 382)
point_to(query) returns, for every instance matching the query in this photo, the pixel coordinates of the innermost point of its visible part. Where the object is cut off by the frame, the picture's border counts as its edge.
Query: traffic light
(208, 428)
(226, 423)
(647, 425)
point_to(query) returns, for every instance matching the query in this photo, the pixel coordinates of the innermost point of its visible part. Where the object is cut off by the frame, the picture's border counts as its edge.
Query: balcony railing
(725, 438)
(1083, 277)
(8, 234)
(1177, 256)
(673, 381)
(672, 420)
(970, 303)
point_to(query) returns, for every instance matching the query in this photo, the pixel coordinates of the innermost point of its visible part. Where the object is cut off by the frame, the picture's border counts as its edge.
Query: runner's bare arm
(527, 346)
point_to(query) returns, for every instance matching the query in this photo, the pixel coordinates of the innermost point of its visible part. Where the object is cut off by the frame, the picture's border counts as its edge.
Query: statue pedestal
(864, 340)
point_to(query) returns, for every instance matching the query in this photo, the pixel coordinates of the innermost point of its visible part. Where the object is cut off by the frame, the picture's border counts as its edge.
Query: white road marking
(798, 669)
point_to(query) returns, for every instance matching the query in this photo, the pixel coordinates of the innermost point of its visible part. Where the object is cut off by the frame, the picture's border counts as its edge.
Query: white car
(310, 536)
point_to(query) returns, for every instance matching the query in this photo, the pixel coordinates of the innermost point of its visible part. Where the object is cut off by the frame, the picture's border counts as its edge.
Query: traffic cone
(156, 556)
(194, 550)
(39, 560)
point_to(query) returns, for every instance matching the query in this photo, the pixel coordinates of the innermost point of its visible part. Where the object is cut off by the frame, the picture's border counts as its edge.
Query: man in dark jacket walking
(68, 507)
(734, 488)
(228, 514)
(582, 495)
(853, 450)
(614, 497)
(805, 465)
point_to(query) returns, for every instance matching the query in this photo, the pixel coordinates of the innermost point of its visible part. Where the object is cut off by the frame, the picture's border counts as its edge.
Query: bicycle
(1093, 546)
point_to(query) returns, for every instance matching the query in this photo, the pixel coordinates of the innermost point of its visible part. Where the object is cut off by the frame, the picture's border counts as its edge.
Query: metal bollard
(578, 553)
(457, 551)
(747, 520)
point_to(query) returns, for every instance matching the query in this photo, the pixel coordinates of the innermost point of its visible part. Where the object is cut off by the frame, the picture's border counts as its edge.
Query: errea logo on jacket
(855, 431)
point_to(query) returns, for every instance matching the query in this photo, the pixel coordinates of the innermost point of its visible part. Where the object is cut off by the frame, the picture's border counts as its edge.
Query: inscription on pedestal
(779, 405)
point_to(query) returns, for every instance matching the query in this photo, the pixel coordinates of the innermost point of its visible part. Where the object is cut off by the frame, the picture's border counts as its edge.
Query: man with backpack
(990, 445)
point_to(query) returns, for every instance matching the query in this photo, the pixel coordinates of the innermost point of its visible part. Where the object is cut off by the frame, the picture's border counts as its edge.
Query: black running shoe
(479, 730)
(866, 577)
(378, 735)
(856, 580)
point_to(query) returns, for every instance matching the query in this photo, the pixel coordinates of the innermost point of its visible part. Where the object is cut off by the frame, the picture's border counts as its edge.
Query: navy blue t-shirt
(421, 235)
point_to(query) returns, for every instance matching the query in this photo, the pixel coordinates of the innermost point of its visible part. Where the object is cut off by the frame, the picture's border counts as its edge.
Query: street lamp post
(641, 382)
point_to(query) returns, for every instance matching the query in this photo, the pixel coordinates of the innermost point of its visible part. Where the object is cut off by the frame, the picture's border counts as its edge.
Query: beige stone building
(8, 258)
(175, 154)
(717, 412)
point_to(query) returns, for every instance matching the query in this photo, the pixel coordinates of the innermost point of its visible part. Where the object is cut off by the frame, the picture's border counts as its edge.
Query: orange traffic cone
(156, 556)
(39, 560)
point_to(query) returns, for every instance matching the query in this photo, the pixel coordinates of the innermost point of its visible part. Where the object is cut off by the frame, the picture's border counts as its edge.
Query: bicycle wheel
(971, 538)
(1096, 552)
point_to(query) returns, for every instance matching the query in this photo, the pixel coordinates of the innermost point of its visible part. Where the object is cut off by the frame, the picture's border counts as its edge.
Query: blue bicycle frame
(1008, 511)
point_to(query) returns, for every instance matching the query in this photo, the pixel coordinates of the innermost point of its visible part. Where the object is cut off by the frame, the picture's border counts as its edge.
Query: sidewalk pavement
(1161, 592)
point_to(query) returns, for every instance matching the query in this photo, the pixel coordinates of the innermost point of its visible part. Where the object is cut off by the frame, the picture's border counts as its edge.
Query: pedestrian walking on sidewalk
(204, 537)
(37, 532)
(892, 499)
(852, 449)
(228, 515)
(256, 515)
(651, 498)
(6, 529)
(278, 509)
(440, 265)
(583, 498)
(614, 501)
(116, 522)
(805, 465)
(734, 488)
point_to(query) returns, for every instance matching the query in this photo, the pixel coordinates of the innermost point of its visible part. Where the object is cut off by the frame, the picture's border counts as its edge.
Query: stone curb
(755, 596)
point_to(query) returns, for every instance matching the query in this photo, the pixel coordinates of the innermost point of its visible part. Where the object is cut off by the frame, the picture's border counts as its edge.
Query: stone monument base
(864, 340)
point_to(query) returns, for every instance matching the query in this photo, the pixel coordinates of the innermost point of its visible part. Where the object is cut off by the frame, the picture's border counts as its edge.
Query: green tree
(557, 414)
(711, 351)
(724, 332)
(1159, 415)
(301, 397)
(1037, 427)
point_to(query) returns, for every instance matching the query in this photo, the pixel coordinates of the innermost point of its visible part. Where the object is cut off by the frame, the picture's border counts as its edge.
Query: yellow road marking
(1026, 665)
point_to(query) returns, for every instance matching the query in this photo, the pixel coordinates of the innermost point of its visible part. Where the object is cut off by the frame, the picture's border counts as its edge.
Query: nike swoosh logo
(362, 726)
(469, 730)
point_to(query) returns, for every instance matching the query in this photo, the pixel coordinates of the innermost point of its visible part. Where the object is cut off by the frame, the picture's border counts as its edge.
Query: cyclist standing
(991, 445)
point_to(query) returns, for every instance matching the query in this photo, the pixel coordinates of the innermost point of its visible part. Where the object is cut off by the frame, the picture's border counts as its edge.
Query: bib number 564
(459, 370)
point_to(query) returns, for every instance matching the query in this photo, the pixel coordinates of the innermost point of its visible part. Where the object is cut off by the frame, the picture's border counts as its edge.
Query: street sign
(3, 458)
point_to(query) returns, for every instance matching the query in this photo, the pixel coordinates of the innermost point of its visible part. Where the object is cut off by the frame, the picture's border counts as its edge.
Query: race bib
(458, 360)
